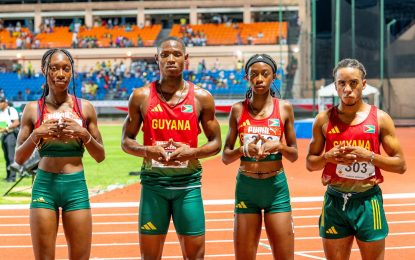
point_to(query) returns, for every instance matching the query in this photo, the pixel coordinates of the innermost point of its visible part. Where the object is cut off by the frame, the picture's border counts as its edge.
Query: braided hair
(265, 58)
(45, 67)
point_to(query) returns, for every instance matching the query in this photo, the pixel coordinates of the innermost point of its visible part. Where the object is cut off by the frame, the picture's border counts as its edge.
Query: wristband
(33, 141)
(89, 140)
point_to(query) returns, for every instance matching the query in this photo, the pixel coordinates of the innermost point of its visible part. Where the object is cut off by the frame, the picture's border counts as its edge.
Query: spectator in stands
(261, 181)
(60, 126)
(29, 70)
(139, 41)
(250, 40)
(260, 35)
(171, 155)
(9, 123)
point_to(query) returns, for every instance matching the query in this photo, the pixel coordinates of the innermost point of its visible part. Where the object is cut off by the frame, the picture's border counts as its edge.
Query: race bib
(356, 171)
(250, 138)
(169, 150)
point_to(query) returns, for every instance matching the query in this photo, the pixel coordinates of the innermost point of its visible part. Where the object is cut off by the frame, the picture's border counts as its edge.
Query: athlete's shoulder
(323, 117)
(141, 92)
(201, 92)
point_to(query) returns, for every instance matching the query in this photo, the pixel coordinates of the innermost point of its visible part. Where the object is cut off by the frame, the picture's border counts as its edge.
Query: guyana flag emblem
(274, 122)
(370, 129)
(187, 108)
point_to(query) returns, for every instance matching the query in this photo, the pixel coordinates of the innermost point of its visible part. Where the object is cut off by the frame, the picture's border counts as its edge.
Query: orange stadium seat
(221, 34)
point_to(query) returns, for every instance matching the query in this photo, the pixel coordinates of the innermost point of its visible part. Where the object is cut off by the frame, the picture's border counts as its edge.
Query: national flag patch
(187, 108)
(157, 109)
(370, 129)
(334, 130)
(274, 122)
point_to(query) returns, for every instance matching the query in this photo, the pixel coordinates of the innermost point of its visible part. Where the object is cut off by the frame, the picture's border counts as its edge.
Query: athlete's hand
(253, 147)
(158, 152)
(361, 154)
(70, 129)
(339, 155)
(182, 153)
(47, 130)
(268, 147)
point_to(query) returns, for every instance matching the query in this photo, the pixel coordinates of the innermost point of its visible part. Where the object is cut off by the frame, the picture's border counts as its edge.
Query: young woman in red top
(60, 126)
(264, 125)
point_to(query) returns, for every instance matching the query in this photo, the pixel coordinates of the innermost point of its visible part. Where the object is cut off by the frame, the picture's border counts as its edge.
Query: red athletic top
(162, 122)
(179, 122)
(271, 128)
(360, 176)
(58, 148)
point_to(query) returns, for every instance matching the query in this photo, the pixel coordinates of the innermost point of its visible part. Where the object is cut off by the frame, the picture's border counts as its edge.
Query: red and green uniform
(56, 147)
(254, 195)
(55, 190)
(353, 203)
(171, 191)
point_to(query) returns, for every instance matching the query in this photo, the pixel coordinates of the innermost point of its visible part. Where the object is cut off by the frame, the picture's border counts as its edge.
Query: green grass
(114, 170)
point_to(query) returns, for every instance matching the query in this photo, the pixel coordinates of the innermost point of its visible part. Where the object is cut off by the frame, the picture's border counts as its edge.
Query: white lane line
(357, 250)
(212, 202)
(264, 245)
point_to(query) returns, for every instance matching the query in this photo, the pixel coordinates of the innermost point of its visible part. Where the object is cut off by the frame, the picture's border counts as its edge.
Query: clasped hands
(181, 152)
(259, 151)
(347, 155)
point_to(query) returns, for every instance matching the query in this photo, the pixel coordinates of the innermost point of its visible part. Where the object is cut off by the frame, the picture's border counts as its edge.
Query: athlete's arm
(94, 145)
(230, 154)
(315, 158)
(289, 150)
(209, 124)
(137, 105)
(395, 161)
(25, 140)
(133, 123)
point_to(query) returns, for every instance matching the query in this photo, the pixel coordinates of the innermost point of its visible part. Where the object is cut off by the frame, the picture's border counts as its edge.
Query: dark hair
(171, 38)
(45, 66)
(266, 59)
(350, 63)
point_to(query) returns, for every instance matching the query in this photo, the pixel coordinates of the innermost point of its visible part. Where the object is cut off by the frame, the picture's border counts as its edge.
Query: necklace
(260, 113)
(178, 100)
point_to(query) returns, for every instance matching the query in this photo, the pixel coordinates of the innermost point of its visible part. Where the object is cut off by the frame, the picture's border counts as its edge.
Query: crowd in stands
(118, 33)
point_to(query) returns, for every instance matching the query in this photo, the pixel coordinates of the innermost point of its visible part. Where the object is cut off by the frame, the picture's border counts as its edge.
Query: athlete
(346, 145)
(60, 126)
(170, 110)
(261, 122)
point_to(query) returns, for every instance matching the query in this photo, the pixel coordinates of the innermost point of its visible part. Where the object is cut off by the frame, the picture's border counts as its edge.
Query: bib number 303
(356, 171)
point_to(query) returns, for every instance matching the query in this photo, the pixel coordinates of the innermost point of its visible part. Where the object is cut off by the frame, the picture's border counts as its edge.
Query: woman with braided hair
(261, 122)
(60, 126)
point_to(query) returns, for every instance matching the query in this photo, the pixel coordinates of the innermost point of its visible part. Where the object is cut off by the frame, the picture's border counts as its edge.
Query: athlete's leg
(151, 246)
(372, 250)
(44, 228)
(154, 220)
(77, 225)
(280, 233)
(189, 221)
(193, 247)
(338, 249)
(247, 231)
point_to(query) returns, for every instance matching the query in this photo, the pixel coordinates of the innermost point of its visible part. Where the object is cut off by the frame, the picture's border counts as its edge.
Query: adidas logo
(332, 231)
(246, 123)
(157, 109)
(148, 226)
(334, 130)
(41, 199)
(241, 205)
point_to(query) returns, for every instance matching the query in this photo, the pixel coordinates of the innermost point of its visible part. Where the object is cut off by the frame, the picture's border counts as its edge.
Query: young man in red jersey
(170, 110)
(346, 144)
